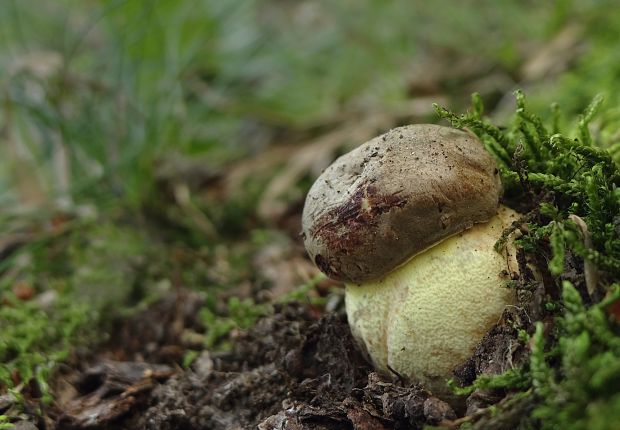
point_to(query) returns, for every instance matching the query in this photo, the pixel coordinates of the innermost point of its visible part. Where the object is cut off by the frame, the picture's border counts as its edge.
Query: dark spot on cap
(323, 265)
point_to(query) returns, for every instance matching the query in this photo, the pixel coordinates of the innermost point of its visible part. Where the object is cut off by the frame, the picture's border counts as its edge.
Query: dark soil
(295, 369)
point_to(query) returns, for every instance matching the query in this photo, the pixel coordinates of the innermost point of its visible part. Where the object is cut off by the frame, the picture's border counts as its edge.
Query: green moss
(513, 378)
(585, 382)
(4, 423)
(579, 177)
(241, 314)
(573, 370)
(34, 340)
(87, 272)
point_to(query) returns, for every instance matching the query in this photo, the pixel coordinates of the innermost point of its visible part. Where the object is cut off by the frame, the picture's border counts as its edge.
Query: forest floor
(152, 273)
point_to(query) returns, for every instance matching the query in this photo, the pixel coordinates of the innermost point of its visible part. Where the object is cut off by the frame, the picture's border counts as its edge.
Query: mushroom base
(426, 317)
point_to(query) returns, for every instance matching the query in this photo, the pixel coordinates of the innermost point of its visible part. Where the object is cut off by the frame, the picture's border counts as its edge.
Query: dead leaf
(109, 390)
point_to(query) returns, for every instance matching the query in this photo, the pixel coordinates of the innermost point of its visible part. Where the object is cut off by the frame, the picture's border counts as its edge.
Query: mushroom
(409, 220)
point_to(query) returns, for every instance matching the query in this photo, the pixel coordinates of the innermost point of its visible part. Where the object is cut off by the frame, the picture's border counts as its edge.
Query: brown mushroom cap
(395, 196)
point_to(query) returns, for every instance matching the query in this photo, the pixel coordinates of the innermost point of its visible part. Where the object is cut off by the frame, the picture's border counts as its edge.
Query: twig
(590, 270)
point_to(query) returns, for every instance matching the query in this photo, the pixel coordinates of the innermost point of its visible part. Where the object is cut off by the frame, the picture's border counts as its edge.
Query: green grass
(130, 81)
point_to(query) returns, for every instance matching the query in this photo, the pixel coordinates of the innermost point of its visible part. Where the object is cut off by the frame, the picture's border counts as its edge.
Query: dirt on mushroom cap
(395, 196)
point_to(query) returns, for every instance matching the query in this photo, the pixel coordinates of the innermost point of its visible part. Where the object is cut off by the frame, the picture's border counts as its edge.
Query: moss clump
(566, 183)
(4, 423)
(241, 314)
(569, 175)
(34, 340)
(577, 379)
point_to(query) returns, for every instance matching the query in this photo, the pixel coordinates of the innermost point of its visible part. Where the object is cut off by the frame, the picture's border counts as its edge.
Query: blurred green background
(151, 144)
(95, 92)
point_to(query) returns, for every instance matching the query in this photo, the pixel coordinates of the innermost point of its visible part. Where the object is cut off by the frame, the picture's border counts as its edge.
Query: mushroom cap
(395, 196)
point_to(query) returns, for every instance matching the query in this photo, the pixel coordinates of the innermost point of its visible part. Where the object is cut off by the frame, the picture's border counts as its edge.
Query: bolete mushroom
(408, 220)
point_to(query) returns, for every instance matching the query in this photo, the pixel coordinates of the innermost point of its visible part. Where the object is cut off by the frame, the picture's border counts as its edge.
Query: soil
(297, 368)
